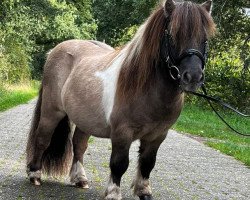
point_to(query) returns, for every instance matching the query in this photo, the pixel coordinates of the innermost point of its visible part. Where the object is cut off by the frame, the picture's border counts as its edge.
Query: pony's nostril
(187, 77)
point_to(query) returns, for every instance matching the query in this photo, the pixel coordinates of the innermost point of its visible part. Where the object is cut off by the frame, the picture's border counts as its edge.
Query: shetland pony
(135, 93)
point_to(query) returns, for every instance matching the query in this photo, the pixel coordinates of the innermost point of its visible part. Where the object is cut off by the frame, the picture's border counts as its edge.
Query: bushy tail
(34, 125)
(57, 158)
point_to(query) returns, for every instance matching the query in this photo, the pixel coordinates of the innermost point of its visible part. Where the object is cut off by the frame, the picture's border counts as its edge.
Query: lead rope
(209, 99)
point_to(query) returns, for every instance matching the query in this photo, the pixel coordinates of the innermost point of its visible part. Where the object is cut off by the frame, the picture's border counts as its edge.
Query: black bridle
(174, 72)
(173, 62)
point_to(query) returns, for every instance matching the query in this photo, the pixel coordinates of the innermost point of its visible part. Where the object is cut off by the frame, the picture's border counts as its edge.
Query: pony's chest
(146, 120)
(150, 131)
(109, 78)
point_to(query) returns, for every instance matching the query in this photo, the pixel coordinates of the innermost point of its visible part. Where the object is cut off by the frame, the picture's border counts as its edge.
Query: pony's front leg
(148, 151)
(118, 165)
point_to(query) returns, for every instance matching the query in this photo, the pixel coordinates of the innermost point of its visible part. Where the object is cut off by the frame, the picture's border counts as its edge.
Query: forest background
(30, 28)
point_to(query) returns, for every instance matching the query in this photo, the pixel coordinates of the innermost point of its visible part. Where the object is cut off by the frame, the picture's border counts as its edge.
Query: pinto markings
(109, 79)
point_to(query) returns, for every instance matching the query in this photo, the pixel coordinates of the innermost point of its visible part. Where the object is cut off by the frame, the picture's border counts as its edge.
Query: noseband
(173, 63)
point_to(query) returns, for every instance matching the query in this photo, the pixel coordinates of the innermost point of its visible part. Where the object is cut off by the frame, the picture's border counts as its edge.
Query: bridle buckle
(174, 72)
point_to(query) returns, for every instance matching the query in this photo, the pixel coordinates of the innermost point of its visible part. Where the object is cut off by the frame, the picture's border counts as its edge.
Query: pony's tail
(34, 125)
(57, 158)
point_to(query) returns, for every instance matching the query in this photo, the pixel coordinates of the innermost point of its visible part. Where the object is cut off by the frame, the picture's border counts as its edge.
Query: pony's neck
(141, 55)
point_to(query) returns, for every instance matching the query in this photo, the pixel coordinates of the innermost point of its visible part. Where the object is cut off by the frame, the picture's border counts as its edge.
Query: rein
(216, 100)
(174, 72)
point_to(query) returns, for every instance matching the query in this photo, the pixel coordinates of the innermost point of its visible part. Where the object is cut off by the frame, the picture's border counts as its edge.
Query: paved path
(186, 169)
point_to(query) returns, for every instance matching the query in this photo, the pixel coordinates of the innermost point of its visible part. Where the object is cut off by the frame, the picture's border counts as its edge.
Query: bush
(226, 77)
(14, 61)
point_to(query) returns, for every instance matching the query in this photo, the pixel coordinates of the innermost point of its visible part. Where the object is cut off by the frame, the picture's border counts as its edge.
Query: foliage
(232, 22)
(113, 16)
(30, 28)
(126, 35)
(226, 78)
(14, 63)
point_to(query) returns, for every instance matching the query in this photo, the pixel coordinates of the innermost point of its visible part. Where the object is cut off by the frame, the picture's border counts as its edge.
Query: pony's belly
(88, 118)
(95, 130)
(82, 101)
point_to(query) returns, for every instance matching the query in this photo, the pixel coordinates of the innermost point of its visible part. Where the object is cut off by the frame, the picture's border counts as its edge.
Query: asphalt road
(185, 169)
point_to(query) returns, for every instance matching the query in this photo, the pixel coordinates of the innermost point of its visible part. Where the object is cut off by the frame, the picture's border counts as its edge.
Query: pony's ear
(169, 7)
(208, 6)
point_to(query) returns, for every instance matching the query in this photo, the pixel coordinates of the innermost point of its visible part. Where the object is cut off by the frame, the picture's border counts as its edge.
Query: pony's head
(189, 26)
(175, 33)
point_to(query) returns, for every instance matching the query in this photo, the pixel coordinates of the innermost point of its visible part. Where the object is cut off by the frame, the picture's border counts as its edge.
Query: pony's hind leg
(77, 172)
(47, 124)
(147, 158)
(47, 120)
(42, 141)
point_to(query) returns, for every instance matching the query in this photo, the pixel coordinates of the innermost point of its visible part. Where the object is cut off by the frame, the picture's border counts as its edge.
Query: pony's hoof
(82, 184)
(34, 176)
(146, 197)
(35, 181)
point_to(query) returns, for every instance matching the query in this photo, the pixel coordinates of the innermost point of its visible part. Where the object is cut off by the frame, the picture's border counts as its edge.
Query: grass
(204, 123)
(13, 95)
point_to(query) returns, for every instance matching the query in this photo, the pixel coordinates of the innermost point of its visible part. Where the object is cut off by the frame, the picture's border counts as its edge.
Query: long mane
(188, 22)
(142, 54)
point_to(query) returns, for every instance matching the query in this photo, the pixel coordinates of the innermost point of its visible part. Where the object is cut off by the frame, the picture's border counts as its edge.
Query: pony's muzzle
(190, 81)
(188, 77)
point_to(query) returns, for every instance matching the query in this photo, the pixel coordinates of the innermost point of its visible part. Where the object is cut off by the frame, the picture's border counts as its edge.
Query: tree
(34, 27)
(113, 16)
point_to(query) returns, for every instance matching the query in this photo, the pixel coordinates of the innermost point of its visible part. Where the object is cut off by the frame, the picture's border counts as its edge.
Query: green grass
(204, 123)
(13, 95)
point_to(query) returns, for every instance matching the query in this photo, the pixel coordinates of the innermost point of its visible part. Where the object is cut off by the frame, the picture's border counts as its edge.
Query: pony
(127, 94)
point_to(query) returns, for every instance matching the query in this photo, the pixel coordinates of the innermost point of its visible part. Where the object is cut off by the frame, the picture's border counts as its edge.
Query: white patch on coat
(141, 186)
(77, 173)
(109, 79)
(36, 174)
(113, 191)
